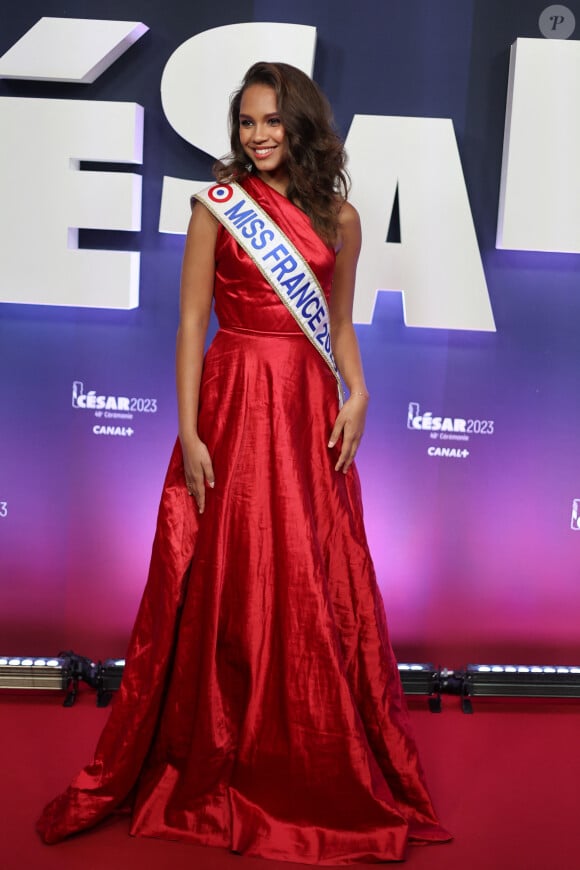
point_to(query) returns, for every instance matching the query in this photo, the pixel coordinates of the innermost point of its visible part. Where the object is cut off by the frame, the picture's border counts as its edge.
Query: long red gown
(261, 707)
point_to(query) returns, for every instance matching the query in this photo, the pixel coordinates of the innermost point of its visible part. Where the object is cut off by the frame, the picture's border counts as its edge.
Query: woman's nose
(260, 133)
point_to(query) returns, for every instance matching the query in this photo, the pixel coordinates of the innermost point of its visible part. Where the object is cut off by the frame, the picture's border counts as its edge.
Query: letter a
(437, 265)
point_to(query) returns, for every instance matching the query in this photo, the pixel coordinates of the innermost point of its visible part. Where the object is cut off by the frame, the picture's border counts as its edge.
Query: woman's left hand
(350, 423)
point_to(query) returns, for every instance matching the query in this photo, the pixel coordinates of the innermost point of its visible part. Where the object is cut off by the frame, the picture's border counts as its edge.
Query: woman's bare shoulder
(348, 215)
(349, 230)
(202, 221)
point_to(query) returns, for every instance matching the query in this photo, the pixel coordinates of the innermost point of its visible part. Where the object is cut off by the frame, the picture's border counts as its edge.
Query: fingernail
(212, 483)
(331, 443)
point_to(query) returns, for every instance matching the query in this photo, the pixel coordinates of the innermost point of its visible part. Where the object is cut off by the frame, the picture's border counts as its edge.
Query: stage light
(19, 672)
(65, 671)
(108, 679)
(59, 673)
(525, 681)
(417, 679)
(422, 679)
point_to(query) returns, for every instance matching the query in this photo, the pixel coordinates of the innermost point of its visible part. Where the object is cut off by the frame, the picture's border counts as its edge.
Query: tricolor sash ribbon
(281, 264)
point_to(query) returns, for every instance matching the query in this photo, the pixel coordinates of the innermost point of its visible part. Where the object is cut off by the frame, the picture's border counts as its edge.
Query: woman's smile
(262, 133)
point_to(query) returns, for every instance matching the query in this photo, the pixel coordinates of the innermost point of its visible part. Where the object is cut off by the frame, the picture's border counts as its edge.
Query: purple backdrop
(476, 556)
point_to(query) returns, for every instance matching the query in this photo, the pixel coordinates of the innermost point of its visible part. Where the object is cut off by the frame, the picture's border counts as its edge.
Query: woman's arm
(197, 282)
(350, 421)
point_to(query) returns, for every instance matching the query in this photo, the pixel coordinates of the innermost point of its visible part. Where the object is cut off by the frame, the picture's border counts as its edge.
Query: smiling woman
(262, 134)
(261, 707)
(314, 171)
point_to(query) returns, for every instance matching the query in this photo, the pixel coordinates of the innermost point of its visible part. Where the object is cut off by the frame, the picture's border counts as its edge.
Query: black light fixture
(108, 679)
(59, 673)
(418, 679)
(422, 679)
(62, 673)
(523, 681)
(39, 672)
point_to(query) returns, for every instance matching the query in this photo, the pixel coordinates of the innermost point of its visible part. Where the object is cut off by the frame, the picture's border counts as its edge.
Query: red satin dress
(261, 708)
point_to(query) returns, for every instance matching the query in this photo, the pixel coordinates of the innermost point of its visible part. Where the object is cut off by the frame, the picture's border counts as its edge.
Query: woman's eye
(245, 123)
(274, 121)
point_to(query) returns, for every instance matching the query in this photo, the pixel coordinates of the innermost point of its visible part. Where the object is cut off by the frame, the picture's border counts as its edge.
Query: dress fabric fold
(261, 708)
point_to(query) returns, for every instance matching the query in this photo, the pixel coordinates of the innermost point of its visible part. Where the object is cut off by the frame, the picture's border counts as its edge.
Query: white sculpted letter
(69, 49)
(45, 199)
(539, 206)
(437, 265)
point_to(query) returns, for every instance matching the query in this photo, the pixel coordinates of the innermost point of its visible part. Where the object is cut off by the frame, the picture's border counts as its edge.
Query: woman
(261, 707)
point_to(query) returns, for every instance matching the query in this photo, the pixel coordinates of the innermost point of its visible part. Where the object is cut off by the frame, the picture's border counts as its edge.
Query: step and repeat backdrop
(462, 124)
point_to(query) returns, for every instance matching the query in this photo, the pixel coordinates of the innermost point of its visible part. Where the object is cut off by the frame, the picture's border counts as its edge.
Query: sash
(279, 261)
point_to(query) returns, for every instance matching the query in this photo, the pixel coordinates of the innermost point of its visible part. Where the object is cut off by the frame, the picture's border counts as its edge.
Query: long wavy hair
(316, 160)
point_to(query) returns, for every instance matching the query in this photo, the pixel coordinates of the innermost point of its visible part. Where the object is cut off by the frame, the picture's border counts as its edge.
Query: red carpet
(506, 781)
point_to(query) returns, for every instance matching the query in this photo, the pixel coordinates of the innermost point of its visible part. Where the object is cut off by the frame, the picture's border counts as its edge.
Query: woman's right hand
(198, 470)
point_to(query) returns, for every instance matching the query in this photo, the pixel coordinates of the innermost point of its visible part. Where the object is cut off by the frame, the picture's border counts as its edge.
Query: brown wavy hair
(316, 159)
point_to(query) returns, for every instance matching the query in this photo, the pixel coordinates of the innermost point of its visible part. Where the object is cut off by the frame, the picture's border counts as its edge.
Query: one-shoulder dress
(261, 708)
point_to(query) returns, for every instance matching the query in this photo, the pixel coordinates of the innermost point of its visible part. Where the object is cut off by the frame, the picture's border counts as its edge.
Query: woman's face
(262, 134)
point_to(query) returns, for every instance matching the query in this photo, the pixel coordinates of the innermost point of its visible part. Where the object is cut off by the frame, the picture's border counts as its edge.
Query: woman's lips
(261, 153)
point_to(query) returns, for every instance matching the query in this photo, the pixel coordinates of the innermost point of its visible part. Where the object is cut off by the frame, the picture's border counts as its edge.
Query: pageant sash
(279, 261)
